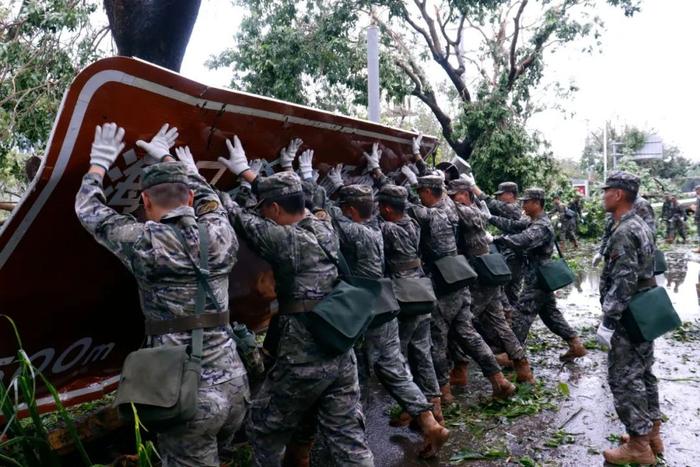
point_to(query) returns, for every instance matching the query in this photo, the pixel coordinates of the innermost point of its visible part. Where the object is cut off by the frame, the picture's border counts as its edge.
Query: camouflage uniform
(666, 215)
(567, 219)
(304, 380)
(677, 225)
(486, 300)
(642, 208)
(167, 287)
(401, 248)
(513, 259)
(697, 214)
(629, 258)
(363, 248)
(452, 318)
(536, 240)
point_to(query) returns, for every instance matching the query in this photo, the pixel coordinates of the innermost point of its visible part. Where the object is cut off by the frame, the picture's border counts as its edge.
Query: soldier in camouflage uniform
(666, 213)
(536, 240)
(677, 225)
(567, 220)
(303, 251)
(629, 266)
(175, 196)
(473, 241)
(696, 216)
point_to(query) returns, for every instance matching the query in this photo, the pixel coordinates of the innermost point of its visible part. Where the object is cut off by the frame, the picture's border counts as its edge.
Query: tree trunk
(154, 30)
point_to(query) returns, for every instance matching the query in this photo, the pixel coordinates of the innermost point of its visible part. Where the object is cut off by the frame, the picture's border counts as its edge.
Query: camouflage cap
(393, 193)
(532, 193)
(430, 181)
(278, 185)
(350, 193)
(507, 187)
(455, 186)
(623, 180)
(697, 187)
(164, 172)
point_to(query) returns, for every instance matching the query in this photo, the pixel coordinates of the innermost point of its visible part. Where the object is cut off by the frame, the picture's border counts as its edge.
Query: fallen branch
(568, 420)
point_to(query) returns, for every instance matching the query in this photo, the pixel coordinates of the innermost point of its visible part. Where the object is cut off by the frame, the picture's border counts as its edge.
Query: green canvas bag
(555, 274)
(660, 265)
(491, 269)
(452, 273)
(415, 295)
(650, 314)
(163, 382)
(386, 307)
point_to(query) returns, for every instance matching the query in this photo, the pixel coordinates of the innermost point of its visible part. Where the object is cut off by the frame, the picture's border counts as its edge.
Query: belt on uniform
(297, 306)
(646, 283)
(400, 266)
(155, 327)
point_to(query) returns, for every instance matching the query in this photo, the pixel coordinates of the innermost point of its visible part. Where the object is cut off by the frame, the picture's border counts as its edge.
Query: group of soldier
(403, 225)
(674, 216)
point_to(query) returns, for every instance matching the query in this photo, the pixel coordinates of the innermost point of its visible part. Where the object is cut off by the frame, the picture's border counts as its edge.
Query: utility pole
(373, 110)
(605, 151)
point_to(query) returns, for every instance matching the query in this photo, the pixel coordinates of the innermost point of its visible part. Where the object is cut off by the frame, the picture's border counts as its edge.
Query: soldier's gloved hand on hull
(107, 145)
(470, 178)
(306, 164)
(604, 335)
(416, 145)
(373, 158)
(596, 259)
(410, 175)
(184, 155)
(288, 154)
(237, 162)
(159, 146)
(336, 177)
(485, 211)
(255, 168)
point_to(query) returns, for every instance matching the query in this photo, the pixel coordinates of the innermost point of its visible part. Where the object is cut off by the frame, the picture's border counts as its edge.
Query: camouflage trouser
(221, 409)
(414, 334)
(677, 227)
(383, 353)
(633, 384)
(452, 320)
(326, 390)
(512, 288)
(568, 230)
(488, 312)
(534, 302)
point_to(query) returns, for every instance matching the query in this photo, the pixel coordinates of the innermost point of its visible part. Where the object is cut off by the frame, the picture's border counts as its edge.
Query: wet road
(578, 427)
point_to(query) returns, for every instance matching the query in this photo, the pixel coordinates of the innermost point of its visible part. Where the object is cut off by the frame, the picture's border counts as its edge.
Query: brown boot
(504, 360)
(637, 451)
(404, 419)
(297, 455)
(437, 410)
(657, 446)
(523, 371)
(434, 434)
(459, 376)
(576, 350)
(502, 388)
(447, 397)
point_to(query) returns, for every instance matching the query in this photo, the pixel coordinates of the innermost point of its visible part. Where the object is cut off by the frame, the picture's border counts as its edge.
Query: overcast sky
(645, 75)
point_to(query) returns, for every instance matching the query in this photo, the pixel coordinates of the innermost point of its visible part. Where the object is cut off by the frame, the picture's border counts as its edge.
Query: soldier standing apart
(303, 252)
(629, 266)
(678, 226)
(697, 213)
(536, 240)
(666, 213)
(567, 219)
(472, 241)
(174, 196)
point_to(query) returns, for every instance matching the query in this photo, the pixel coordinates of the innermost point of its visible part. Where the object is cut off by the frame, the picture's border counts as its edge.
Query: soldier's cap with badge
(623, 180)
(163, 172)
(278, 185)
(354, 193)
(455, 186)
(430, 181)
(507, 187)
(533, 193)
(392, 193)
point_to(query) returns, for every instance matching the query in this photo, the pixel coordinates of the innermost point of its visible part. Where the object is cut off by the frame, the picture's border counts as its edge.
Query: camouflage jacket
(163, 269)
(697, 209)
(437, 232)
(629, 257)
(666, 210)
(642, 208)
(536, 241)
(502, 209)
(401, 246)
(471, 231)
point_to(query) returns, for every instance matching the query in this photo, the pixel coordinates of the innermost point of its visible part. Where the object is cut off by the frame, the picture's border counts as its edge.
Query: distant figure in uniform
(678, 217)
(696, 216)
(666, 214)
(175, 196)
(629, 266)
(567, 220)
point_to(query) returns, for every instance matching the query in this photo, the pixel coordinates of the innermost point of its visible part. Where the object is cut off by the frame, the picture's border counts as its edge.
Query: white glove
(305, 164)
(314, 175)
(255, 166)
(108, 143)
(485, 211)
(184, 155)
(335, 176)
(410, 175)
(604, 335)
(470, 178)
(596, 259)
(373, 159)
(416, 144)
(237, 162)
(160, 144)
(489, 238)
(288, 154)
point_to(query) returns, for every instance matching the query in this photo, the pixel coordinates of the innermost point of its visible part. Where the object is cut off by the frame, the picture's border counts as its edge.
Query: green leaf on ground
(564, 389)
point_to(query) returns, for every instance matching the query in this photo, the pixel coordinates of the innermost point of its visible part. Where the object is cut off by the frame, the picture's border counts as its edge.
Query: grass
(689, 331)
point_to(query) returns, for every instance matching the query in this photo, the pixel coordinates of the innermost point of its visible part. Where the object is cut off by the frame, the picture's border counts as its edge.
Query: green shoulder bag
(452, 273)
(650, 314)
(415, 295)
(491, 269)
(555, 274)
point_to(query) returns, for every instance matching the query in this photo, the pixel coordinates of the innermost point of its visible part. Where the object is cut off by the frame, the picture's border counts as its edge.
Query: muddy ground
(569, 419)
